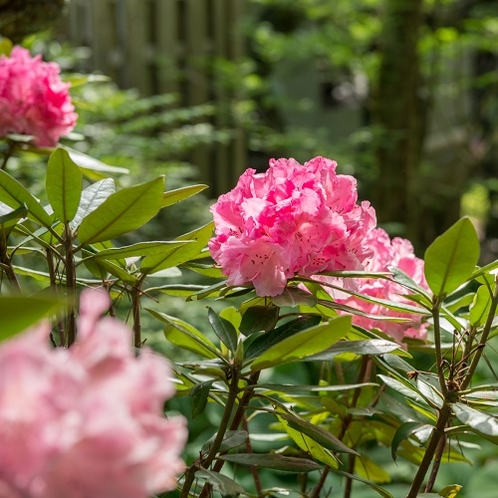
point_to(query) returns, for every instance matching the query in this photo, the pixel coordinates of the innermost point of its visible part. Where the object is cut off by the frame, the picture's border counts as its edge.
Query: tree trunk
(399, 118)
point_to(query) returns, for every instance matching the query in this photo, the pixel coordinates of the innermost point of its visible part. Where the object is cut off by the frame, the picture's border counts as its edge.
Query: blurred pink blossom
(397, 253)
(86, 422)
(291, 220)
(33, 99)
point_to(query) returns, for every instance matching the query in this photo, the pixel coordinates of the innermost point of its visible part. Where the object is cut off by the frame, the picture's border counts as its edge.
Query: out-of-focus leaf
(304, 344)
(231, 439)
(271, 461)
(480, 306)
(403, 432)
(18, 313)
(199, 395)
(452, 257)
(9, 218)
(366, 468)
(293, 296)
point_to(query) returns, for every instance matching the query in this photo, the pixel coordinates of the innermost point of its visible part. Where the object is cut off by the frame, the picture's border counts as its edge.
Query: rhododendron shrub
(291, 220)
(387, 253)
(86, 421)
(33, 99)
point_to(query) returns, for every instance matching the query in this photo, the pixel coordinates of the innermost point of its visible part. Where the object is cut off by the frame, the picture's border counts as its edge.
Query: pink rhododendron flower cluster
(397, 253)
(33, 99)
(86, 421)
(293, 219)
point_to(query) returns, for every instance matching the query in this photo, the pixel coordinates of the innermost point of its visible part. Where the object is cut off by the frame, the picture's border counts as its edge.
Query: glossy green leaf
(221, 483)
(231, 440)
(481, 422)
(269, 339)
(403, 432)
(173, 196)
(223, 329)
(452, 257)
(93, 168)
(91, 198)
(185, 336)
(101, 268)
(200, 238)
(304, 344)
(368, 469)
(19, 313)
(63, 185)
(9, 218)
(273, 461)
(259, 318)
(122, 212)
(366, 347)
(15, 195)
(480, 306)
(199, 395)
(140, 249)
(404, 388)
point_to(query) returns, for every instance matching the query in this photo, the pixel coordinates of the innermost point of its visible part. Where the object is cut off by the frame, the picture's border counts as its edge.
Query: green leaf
(91, 198)
(265, 341)
(15, 195)
(452, 257)
(19, 313)
(93, 168)
(365, 347)
(447, 492)
(200, 238)
(122, 212)
(480, 306)
(9, 218)
(272, 461)
(223, 329)
(231, 439)
(185, 336)
(64, 184)
(481, 422)
(323, 437)
(304, 344)
(404, 388)
(199, 394)
(293, 296)
(139, 249)
(403, 432)
(259, 318)
(221, 483)
(180, 194)
(381, 491)
(368, 469)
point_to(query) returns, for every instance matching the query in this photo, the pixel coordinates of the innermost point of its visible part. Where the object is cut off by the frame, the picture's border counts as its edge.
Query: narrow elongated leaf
(91, 165)
(221, 483)
(404, 388)
(223, 329)
(293, 296)
(378, 489)
(403, 432)
(447, 492)
(304, 344)
(91, 198)
(139, 249)
(271, 461)
(370, 347)
(368, 469)
(481, 422)
(185, 336)
(452, 257)
(200, 237)
(480, 306)
(122, 212)
(15, 195)
(180, 194)
(231, 440)
(19, 313)
(64, 185)
(317, 433)
(265, 341)
(9, 218)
